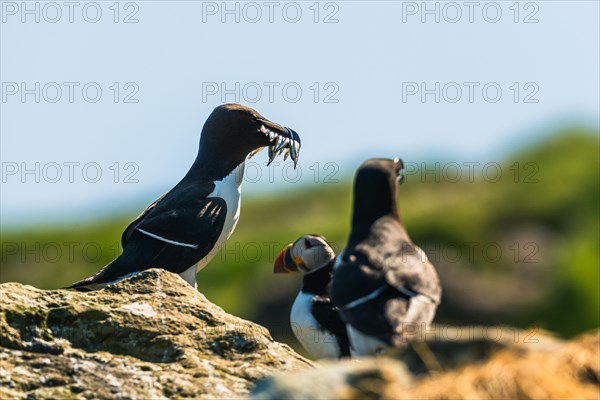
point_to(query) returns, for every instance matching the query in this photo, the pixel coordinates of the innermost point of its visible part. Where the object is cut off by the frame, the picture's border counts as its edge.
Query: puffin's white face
(306, 254)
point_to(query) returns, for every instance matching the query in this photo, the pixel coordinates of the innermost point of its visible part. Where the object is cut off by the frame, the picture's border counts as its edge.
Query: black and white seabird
(315, 320)
(383, 284)
(185, 228)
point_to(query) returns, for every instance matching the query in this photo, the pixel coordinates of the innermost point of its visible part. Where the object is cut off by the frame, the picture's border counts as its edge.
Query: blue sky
(356, 79)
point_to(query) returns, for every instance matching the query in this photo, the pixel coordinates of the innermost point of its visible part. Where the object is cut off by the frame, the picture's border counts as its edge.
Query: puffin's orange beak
(282, 262)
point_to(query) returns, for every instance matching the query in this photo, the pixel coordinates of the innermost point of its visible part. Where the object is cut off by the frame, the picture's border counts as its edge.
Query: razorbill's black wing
(174, 234)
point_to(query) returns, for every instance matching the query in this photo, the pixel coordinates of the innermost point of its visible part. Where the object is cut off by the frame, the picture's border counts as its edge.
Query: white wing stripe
(364, 299)
(152, 235)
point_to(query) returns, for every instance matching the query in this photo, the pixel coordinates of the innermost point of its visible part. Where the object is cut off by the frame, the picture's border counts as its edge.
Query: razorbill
(315, 320)
(386, 289)
(186, 227)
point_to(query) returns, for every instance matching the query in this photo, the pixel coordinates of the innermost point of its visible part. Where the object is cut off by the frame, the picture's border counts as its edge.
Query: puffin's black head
(232, 131)
(375, 189)
(306, 254)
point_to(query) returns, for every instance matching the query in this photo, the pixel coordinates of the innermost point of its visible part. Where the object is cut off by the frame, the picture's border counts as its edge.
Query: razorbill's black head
(315, 320)
(233, 131)
(376, 189)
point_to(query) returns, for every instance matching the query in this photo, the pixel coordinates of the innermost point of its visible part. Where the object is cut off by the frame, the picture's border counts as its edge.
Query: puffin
(183, 229)
(315, 320)
(385, 288)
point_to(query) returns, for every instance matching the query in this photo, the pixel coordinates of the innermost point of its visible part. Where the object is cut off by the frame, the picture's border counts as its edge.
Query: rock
(153, 336)
(531, 367)
(150, 336)
(446, 347)
(356, 379)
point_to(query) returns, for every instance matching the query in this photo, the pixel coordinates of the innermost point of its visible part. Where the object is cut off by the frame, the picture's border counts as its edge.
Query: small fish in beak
(281, 139)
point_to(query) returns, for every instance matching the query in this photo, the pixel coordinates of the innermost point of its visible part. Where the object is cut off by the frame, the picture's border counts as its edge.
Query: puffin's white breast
(318, 342)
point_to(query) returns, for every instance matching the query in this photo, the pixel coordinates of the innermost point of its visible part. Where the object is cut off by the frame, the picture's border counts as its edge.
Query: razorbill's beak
(279, 139)
(284, 263)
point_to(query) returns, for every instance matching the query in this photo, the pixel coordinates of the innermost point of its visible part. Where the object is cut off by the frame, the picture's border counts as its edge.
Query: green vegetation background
(543, 214)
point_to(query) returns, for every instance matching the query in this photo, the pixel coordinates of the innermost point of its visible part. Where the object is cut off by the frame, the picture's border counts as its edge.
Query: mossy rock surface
(150, 336)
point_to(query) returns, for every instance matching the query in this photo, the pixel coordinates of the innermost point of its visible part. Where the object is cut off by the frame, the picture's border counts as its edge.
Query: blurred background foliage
(521, 249)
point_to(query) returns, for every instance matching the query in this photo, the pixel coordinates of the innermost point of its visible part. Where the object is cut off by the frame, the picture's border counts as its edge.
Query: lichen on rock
(150, 336)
